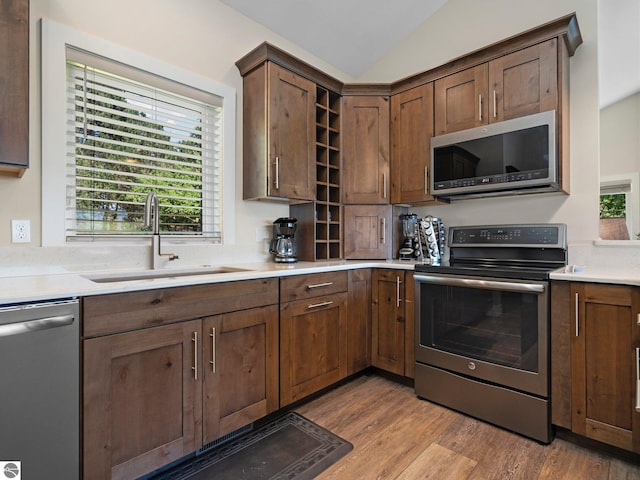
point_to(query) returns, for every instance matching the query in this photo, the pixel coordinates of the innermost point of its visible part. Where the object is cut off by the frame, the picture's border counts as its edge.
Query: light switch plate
(20, 231)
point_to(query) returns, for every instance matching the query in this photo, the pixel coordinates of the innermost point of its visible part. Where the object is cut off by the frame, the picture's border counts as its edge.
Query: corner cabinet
(365, 144)
(167, 371)
(279, 125)
(14, 87)
(392, 309)
(605, 363)
(411, 132)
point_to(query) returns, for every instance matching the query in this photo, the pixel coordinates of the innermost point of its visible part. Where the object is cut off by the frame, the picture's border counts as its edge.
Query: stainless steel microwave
(511, 157)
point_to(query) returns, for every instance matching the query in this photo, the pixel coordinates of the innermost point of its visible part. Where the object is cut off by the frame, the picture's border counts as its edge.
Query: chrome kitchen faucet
(152, 208)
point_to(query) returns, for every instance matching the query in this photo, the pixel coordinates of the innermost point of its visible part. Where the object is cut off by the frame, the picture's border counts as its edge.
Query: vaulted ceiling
(354, 34)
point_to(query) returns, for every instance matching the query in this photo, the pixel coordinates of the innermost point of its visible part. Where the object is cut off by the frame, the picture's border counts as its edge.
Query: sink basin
(161, 274)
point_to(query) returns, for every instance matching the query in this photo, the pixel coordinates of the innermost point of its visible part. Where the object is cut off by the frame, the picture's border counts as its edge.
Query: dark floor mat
(290, 447)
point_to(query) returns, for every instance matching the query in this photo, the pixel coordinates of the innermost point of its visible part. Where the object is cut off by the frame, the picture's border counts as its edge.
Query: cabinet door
(240, 369)
(409, 325)
(411, 132)
(367, 232)
(142, 400)
(461, 100)
(359, 321)
(388, 320)
(313, 345)
(14, 87)
(291, 135)
(365, 137)
(604, 364)
(524, 82)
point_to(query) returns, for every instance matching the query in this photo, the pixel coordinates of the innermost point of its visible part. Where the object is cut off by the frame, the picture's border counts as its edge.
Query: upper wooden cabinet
(411, 131)
(365, 146)
(14, 87)
(514, 85)
(279, 134)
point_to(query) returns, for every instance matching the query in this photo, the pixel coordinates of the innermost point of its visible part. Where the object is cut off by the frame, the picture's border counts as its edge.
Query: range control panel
(538, 235)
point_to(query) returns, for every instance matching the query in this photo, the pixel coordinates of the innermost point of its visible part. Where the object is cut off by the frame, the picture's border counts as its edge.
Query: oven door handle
(485, 284)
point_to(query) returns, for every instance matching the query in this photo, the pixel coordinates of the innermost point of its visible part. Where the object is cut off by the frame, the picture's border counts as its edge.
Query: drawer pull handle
(319, 285)
(577, 314)
(637, 379)
(213, 350)
(194, 339)
(318, 305)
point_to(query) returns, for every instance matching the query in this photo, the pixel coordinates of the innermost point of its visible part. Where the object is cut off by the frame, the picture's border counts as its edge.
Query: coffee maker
(410, 248)
(282, 245)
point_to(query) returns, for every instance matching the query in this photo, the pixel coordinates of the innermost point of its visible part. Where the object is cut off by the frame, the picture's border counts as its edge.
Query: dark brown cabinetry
(240, 369)
(391, 337)
(368, 232)
(359, 321)
(313, 333)
(605, 359)
(279, 124)
(167, 371)
(595, 337)
(14, 87)
(513, 85)
(411, 132)
(365, 144)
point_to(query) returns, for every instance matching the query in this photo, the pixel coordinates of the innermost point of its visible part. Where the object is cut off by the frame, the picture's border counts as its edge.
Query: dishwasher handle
(28, 326)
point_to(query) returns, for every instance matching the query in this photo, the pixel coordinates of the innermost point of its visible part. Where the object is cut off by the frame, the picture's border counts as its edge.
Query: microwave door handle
(483, 284)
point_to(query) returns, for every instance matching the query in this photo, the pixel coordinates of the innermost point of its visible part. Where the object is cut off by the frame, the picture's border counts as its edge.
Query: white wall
(202, 36)
(207, 37)
(620, 137)
(462, 26)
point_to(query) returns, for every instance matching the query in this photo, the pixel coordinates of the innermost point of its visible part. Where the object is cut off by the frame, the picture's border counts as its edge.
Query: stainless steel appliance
(411, 248)
(39, 393)
(511, 157)
(282, 245)
(482, 324)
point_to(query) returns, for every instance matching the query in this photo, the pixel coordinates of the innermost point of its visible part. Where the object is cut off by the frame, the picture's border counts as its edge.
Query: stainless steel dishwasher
(39, 390)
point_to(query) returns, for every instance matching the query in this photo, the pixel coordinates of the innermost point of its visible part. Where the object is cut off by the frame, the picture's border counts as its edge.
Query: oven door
(491, 329)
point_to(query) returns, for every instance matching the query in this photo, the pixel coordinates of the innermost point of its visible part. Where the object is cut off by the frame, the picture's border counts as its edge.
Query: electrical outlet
(20, 231)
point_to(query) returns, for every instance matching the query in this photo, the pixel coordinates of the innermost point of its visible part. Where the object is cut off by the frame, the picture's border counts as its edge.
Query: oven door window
(499, 327)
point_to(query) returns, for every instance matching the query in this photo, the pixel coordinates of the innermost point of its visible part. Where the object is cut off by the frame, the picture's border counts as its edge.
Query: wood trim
(565, 27)
(561, 354)
(9, 171)
(618, 437)
(268, 52)
(367, 89)
(118, 312)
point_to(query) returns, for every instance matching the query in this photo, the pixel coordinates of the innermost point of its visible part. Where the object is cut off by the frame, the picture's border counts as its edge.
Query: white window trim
(633, 198)
(55, 38)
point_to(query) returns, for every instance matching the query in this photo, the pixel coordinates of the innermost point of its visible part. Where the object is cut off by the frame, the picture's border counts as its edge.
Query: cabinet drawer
(299, 287)
(118, 312)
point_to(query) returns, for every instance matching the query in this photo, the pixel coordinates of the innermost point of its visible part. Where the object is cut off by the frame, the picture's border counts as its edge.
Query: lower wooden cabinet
(392, 337)
(240, 369)
(157, 393)
(359, 321)
(142, 400)
(605, 358)
(313, 345)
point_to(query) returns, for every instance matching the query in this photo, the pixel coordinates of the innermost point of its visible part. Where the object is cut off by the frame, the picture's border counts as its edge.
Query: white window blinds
(130, 132)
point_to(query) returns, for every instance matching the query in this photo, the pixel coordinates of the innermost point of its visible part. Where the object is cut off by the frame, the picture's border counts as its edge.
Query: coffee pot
(282, 245)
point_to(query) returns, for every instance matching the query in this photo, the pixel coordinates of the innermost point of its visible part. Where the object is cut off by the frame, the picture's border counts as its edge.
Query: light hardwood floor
(395, 435)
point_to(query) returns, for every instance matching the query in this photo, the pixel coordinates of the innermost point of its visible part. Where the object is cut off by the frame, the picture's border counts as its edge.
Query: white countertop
(599, 274)
(28, 286)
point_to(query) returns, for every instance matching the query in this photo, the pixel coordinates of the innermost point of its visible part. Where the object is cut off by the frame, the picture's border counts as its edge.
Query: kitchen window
(131, 125)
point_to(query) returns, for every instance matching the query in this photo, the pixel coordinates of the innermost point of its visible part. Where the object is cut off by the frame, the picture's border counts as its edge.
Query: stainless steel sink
(161, 274)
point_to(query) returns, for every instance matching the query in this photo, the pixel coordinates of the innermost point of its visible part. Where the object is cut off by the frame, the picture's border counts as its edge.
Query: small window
(130, 133)
(615, 210)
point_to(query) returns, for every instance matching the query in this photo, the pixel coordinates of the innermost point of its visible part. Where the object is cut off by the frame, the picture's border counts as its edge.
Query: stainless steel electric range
(482, 325)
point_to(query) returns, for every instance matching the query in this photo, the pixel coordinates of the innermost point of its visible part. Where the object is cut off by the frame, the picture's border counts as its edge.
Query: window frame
(55, 38)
